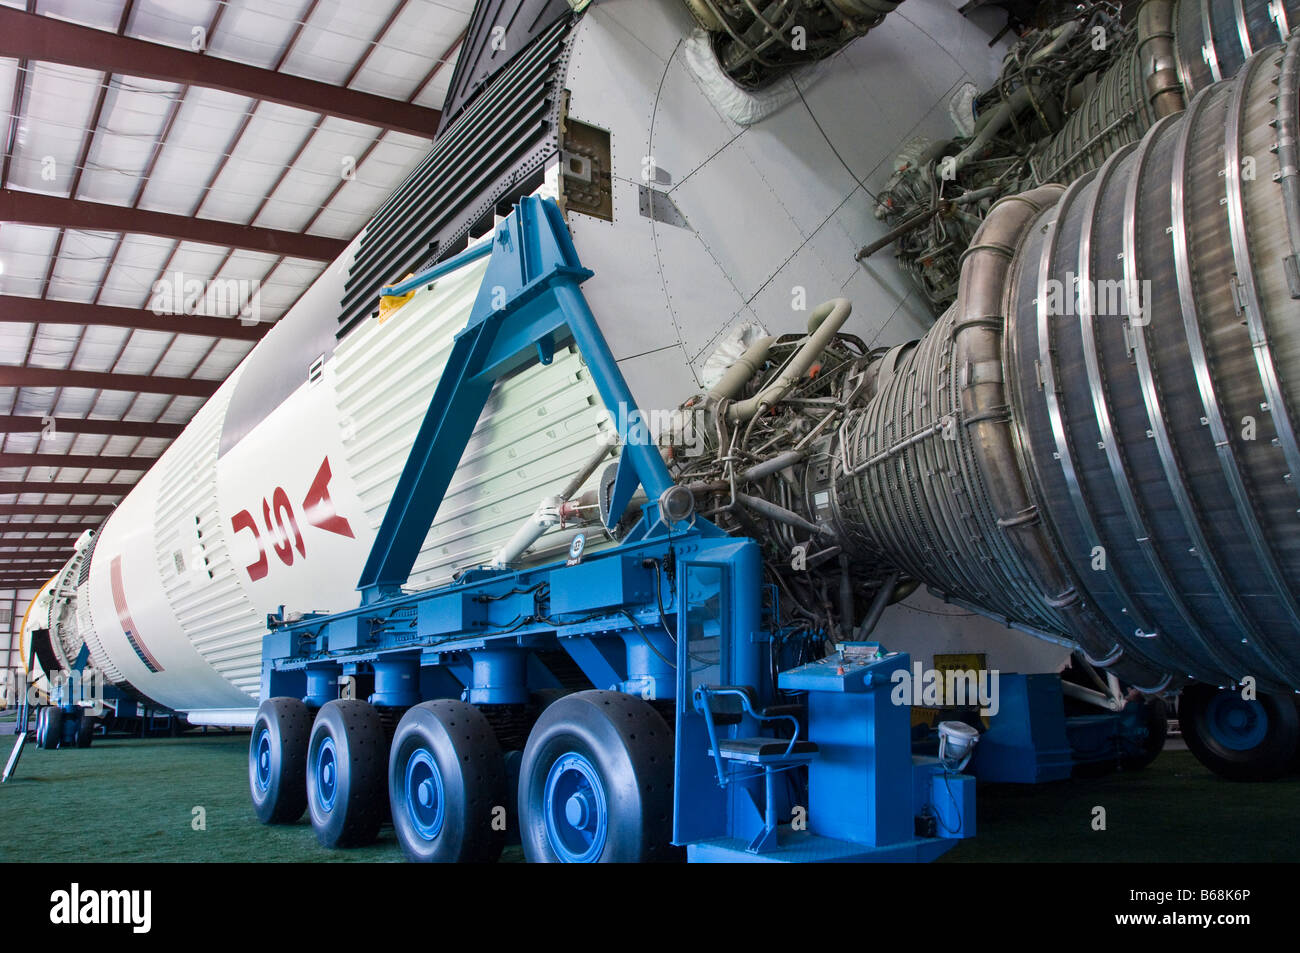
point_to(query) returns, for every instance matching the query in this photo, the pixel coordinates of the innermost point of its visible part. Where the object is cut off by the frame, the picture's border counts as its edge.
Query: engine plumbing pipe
(742, 371)
(757, 472)
(549, 513)
(920, 218)
(782, 515)
(884, 597)
(823, 324)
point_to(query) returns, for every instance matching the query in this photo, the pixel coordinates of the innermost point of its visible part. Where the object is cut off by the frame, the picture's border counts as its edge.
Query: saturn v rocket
(719, 193)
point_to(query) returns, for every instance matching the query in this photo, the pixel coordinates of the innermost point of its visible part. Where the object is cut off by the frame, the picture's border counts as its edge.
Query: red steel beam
(99, 380)
(79, 461)
(57, 41)
(56, 509)
(12, 423)
(50, 486)
(52, 211)
(15, 309)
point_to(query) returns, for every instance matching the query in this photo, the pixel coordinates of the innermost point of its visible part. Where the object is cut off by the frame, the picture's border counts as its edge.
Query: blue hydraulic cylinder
(322, 685)
(650, 674)
(397, 683)
(500, 677)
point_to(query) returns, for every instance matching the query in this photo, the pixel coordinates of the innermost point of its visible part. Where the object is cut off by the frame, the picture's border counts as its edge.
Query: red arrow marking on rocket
(319, 508)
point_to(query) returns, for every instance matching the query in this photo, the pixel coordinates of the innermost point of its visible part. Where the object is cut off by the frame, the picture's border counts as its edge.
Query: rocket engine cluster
(1096, 440)
(1068, 96)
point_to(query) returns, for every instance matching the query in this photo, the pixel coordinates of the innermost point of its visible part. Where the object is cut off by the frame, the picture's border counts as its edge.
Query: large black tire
(347, 771)
(277, 760)
(40, 726)
(53, 735)
(1155, 715)
(1239, 740)
(85, 732)
(447, 785)
(596, 782)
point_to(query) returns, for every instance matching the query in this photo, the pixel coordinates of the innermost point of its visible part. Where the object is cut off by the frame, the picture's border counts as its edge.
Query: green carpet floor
(125, 800)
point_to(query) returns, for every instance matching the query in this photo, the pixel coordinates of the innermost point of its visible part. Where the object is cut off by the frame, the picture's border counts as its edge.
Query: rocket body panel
(187, 569)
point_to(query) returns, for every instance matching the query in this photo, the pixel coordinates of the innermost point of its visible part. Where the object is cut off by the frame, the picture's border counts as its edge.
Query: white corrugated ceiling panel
(99, 348)
(108, 404)
(35, 401)
(57, 105)
(281, 287)
(421, 35)
(273, 137)
(80, 268)
(54, 345)
(140, 259)
(183, 354)
(14, 339)
(255, 31)
(434, 93)
(147, 407)
(388, 164)
(337, 37)
(8, 76)
(172, 22)
(141, 352)
(189, 262)
(25, 254)
(225, 357)
(330, 156)
(205, 123)
(180, 410)
(100, 14)
(135, 112)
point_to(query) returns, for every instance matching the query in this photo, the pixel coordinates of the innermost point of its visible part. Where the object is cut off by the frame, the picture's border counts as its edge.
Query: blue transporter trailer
(468, 735)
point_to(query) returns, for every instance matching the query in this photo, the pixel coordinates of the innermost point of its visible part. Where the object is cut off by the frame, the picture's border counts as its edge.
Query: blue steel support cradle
(632, 617)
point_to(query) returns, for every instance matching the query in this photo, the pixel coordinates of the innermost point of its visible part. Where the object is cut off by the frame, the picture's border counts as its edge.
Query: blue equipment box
(452, 613)
(605, 583)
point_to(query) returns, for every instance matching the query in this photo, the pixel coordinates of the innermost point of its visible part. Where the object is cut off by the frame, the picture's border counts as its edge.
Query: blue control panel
(856, 667)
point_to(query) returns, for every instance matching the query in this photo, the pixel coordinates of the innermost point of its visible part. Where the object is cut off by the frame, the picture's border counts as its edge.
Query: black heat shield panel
(496, 148)
(44, 651)
(497, 31)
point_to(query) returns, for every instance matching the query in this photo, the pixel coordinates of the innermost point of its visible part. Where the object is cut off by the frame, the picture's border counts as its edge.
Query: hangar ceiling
(175, 174)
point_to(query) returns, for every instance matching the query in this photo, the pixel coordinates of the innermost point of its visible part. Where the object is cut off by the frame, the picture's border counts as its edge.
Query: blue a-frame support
(529, 304)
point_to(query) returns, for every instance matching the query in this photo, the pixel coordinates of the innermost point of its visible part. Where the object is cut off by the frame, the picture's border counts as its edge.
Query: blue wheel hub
(576, 811)
(1235, 722)
(263, 749)
(327, 774)
(424, 795)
